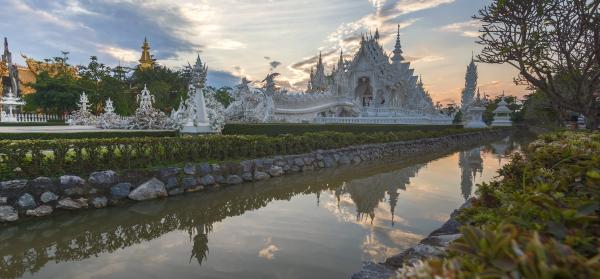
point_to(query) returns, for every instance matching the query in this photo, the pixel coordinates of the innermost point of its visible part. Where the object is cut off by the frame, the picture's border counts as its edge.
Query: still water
(314, 225)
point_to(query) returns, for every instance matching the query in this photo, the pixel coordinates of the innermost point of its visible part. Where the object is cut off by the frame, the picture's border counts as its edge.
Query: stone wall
(43, 195)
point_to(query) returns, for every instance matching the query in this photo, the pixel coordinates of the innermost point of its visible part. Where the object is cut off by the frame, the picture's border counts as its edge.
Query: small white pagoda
(502, 115)
(475, 114)
(11, 102)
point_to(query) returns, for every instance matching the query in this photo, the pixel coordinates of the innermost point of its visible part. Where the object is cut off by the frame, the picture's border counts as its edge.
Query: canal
(315, 225)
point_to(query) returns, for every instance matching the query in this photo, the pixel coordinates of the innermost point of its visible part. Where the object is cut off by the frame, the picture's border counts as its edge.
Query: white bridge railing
(28, 117)
(384, 120)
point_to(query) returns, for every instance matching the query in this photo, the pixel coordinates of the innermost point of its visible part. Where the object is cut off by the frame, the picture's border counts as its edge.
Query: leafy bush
(540, 220)
(30, 158)
(274, 129)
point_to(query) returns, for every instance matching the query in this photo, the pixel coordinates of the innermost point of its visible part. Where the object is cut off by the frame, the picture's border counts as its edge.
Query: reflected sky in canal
(315, 225)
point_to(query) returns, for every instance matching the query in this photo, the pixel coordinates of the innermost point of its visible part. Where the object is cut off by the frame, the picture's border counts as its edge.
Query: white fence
(384, 120)
(28, 117)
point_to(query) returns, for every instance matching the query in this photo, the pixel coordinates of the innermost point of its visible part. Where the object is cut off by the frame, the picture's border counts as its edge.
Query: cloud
(219, 79)
(121, 54)
(466, 29)
(425, 59)
(268, 252)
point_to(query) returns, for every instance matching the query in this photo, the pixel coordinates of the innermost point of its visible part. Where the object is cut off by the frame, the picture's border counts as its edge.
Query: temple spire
(397, 57)
(376, 33)
(146, 61)
(341, 61)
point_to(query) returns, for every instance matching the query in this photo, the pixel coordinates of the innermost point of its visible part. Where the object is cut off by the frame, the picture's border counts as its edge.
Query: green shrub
(30, 158)
(541, 219)
(274, 129)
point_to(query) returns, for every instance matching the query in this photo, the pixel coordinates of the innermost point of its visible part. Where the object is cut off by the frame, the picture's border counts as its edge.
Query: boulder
(72, 204)
(47, 197)
(42, 184)
(276, 171)
(99, 202)
(299, 162)
(175, 191)
(26, 201)
(13, 185)
(234, 179)
(8, 214)
(42, 210)
(172, 182)
(121, 190)
(203, 169)
(150, 189)
(189, 182)
(259, 175)
(70, 181)
(247, 176)
(207, 180)
(165, 173)
(3, 200)
(219, 179)
(344, 160)
(103, 179)
(189, 169)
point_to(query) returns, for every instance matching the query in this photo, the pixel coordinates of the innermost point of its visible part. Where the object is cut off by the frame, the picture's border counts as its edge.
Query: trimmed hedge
(31, 158)
(274, 129)
(86, 135)
(540, 220)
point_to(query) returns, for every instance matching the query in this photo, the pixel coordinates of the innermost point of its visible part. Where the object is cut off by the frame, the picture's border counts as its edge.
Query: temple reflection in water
(368, 197)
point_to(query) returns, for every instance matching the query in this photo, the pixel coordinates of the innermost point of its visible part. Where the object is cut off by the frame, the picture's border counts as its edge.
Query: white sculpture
(11, 101)
(197, 114)
(146, 116)
(82, 116)
(370, 88)
(502, 115)
(109, 119)
(254, 105)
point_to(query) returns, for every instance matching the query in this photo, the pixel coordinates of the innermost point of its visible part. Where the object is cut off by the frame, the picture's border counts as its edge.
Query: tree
(57, 94)
(168, 86)
(555, 45)
(223, 96)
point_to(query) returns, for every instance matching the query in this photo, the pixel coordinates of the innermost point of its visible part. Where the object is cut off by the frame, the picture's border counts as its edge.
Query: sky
(251, 38)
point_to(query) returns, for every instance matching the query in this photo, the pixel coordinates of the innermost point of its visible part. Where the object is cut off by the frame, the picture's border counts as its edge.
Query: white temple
(472, 106)
(372, 88)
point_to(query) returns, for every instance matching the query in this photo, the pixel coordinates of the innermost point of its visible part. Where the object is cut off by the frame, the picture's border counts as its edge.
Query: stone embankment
(43, 195)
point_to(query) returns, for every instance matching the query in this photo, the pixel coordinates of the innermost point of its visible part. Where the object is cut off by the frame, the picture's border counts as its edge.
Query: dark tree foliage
(555, 45)
(60, 93)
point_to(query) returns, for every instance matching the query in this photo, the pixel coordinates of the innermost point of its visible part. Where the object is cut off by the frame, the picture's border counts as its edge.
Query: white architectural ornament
(82, 116)
(147, 117)
(474, 114)
(370, 88)
(11, 102)
(502, 115)
(109, 119)
(197, 114)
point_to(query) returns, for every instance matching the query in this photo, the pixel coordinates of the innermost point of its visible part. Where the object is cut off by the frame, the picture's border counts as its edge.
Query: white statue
(109, 119)
(147, 117)
(474, 114)
(82, 116)
(252, 105)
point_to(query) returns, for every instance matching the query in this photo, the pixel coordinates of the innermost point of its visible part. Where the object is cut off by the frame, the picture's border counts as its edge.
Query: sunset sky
(253, 37)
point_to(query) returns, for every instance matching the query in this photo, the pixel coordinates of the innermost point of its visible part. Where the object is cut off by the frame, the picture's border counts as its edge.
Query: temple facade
(371, 88)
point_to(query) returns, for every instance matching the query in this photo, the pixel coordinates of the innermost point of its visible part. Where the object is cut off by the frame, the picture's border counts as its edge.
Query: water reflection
(394, 203)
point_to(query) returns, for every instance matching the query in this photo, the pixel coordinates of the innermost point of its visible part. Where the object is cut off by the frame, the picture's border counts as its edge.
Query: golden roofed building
(18, 77)
(146, 61)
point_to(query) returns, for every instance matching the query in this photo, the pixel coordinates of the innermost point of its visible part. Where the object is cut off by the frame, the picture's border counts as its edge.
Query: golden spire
(146, 61)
